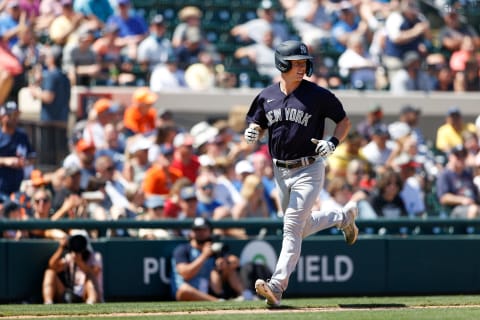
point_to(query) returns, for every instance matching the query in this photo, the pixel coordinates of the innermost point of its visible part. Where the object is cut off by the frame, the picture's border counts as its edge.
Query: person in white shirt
(356, 64)
(167, 76)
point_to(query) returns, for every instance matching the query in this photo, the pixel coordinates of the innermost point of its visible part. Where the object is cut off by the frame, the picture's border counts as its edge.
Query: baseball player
(294, 111)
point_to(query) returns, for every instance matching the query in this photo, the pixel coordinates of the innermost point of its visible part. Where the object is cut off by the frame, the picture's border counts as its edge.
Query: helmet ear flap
(281, 64)
(309, 68)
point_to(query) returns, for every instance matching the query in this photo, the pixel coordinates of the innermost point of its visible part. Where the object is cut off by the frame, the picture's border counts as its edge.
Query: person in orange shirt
(140, 117)
(160, 177)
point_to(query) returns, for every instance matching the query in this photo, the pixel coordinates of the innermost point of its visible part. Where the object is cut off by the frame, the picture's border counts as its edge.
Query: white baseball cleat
(349, 228)
(266, 290)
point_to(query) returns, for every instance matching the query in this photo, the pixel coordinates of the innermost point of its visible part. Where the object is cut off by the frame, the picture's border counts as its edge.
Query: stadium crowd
(136, 162)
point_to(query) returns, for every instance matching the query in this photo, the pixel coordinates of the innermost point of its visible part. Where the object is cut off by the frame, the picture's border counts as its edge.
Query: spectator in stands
(74, 273)
(140, 116)
(373, 117)
(348, 151)
(82, 157)
(357, 65)
(261, 55)
(348, 24)
(154, 49)
(101, 114)
(410, 115)
(202, 74)
(161, 175)
(155, 211)
(200, 270)
(16, 151)
(184, 159)
(132, 27)
(313, 20)
(209, 207)
(114, 185)
(253, 30)
(455, 188)
(407, 30)
(99, 10)
(54, 92)
(359, 176)
(194, 44)
(262, 165)
(113, 58)
(467, 51)
(166, 132)
(81, 63)
(386, 202)
(445, 79)
(13, 211)
(411, 77)
(167, 76)
(67, 194)
(225, 191)
(469, 79)
(42, 210)
(190, 16)
(253, 203)
(188, 203)
(412, 192)
(172, 201)
(339, 193)
(28, 51)
(450, 133)
(378, 150)
(12, 22)
(49, 10)
(471, 144)
(454, 30)
(114, 147)
(63, 27)
(137, 162)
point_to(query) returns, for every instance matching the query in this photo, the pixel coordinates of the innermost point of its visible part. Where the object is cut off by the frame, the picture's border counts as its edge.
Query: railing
(255, 227)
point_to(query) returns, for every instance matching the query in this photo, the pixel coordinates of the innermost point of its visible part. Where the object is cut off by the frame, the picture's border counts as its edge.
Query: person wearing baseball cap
(456, 189)
(299, 148)
(184, 159)
(140, 116)
(103, 112)
(450, 133)
(203, 270)
(15, 149)
(154, 49)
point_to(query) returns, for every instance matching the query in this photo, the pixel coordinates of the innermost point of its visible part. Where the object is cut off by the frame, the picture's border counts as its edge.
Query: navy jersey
(15, 145)
(292, 120)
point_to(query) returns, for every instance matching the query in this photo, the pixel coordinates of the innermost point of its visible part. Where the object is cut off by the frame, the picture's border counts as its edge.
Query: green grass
(367, 308)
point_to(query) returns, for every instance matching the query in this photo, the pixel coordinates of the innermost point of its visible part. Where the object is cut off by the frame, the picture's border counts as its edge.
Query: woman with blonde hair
(253, 203)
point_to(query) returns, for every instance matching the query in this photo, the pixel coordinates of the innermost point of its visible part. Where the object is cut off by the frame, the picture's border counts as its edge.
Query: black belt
(293, 164)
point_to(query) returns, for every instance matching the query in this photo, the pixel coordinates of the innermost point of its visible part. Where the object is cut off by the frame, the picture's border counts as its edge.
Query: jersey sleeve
(335, 110)
(256, 113)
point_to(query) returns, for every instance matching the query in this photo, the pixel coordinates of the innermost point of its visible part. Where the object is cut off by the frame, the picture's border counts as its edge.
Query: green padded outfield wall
(140, 270)
(3, 270)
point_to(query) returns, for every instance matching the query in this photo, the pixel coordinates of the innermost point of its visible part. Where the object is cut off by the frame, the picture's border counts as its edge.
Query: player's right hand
(252, 134)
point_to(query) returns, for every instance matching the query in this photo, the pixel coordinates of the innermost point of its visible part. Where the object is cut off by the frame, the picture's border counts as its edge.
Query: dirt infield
(249, 311)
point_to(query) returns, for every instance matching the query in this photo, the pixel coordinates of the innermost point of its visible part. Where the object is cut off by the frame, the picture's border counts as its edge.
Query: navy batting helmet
(292, 50)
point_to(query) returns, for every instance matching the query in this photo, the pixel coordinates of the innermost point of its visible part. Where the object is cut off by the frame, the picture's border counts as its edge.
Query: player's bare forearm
(342, 128)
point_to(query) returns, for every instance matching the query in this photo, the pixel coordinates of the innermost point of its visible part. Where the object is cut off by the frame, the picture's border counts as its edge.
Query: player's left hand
(324, 148)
